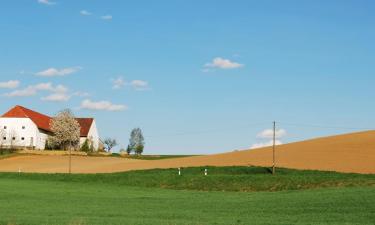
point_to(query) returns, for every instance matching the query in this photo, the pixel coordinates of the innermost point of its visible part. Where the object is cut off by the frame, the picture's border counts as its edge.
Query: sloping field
(343, 153)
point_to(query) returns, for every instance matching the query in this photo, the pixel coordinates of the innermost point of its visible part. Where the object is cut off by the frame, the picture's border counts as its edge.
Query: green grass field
(231, 195)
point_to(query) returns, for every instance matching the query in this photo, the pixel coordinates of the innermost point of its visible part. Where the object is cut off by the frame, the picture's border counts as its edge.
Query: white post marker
(179, 171)
(19, 169)
(205, 172)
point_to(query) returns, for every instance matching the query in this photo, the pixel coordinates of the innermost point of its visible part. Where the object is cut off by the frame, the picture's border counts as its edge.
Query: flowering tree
(66, 130)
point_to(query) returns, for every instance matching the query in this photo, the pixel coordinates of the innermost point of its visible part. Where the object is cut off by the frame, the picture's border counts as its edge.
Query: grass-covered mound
(245, 179)
(129, 198)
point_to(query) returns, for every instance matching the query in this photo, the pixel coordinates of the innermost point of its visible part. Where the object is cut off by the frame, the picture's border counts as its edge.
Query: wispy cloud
(53, 72)
(265, 144)
(46, 2)
(268, 133)
(106, 17)
(61, 94)
(85, 13)
(57, 97)
(118, 83)
(53, 93)
(33, 90)
(139, 85)
(81, 94)
(29, 91)
(102, 106)
(221, 63)
(10, 84)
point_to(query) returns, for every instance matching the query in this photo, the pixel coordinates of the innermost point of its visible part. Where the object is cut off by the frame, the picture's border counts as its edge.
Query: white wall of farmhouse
(24, 133)
(93, 135)
(21, 132)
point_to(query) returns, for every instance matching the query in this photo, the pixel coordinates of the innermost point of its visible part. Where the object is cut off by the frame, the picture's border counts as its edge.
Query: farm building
(24, 128)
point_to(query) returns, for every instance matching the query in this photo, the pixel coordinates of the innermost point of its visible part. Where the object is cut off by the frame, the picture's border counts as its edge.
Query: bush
(5, 151)
(86, 147)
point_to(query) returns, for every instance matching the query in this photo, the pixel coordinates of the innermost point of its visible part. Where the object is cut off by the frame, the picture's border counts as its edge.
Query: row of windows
(23, 127)
(14, 138)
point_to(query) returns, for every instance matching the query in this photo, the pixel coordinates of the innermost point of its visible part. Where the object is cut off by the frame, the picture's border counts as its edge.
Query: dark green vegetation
(151, 157)
(244, 179)
(6, 153)
(136, 197)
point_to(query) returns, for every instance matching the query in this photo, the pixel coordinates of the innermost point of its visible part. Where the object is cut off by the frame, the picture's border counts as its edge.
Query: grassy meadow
(228, 195)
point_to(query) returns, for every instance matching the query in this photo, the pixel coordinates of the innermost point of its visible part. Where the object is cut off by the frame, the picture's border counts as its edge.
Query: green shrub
(86, 147)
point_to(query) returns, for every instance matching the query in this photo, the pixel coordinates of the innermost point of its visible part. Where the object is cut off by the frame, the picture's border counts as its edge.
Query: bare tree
(110, 143)
(66, 130)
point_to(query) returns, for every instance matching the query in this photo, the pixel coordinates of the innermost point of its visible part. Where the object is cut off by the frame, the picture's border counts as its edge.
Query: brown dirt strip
(343, 153)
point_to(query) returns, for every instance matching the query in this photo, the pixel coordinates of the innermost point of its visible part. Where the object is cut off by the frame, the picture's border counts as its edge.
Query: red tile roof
(43, 121)
(85, 124)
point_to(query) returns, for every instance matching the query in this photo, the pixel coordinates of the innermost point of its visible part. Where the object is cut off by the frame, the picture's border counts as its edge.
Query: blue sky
(196, 76)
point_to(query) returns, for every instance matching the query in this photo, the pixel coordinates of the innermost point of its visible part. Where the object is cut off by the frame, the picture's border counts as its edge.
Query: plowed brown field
(344, 153)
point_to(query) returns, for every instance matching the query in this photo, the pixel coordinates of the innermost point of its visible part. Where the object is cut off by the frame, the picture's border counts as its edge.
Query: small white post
(205, 172)
(179, 171)
(19, 169)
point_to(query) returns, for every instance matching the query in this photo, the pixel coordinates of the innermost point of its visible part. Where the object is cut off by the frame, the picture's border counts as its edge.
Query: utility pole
(273, 148)
(70, 159)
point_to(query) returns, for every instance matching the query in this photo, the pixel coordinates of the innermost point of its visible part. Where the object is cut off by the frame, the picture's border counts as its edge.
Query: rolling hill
(351, 153)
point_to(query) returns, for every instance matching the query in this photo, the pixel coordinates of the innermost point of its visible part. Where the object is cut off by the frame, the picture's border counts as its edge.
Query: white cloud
(10, 84)
(139, 85)
(118, 83)
(61, 93)
(43, 87)
(85, 13)
(222, 63)
(52, 72)
(102, 105)
(54, 93)
(46, 2)
(57, 97)
(265, 144)
(106, 17)
(29, 91)
(34, 89)
(81, 94)
(268, 133)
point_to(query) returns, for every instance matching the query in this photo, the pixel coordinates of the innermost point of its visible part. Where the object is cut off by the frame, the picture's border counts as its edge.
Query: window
(5, 127)
(14, 138)
(22, 138)
(23, 127)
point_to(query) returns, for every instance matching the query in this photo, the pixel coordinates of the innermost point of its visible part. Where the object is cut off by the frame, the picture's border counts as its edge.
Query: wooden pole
(70, 159)
(273, 148)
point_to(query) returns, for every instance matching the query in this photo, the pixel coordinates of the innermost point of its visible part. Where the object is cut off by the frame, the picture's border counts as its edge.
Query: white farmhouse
(24, 128)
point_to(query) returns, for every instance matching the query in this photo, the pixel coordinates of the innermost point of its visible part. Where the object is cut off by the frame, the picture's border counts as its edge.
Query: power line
(209, 131)
(327, 127)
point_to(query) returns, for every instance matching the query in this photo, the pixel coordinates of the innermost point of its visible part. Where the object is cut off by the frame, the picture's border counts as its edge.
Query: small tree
(110, 143)
(66, 130)
(129, 150)
(136, 141)
(139, 149)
